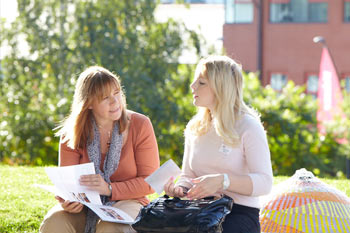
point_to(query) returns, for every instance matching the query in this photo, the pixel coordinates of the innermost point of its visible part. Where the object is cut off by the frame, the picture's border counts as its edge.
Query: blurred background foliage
(64, 37)
(289, 118)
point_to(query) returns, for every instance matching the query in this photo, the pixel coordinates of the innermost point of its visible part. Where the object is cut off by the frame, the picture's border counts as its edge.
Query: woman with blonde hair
(226, 150)
(120, 143)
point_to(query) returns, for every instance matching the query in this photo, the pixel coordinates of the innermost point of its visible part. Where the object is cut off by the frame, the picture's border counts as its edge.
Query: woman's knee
(107, 227)
(62, 221)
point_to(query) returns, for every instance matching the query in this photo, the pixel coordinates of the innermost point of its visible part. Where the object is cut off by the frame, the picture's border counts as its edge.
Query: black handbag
(175, 215)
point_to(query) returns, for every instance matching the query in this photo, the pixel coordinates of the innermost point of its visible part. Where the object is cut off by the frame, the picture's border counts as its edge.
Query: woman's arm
(67, 156)
(259, 179)
(185, 181)
(257, 154)
(187, 174)
(147, 161)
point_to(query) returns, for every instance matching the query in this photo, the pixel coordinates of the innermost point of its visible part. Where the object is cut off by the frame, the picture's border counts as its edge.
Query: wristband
(110, 188)
(226, 182)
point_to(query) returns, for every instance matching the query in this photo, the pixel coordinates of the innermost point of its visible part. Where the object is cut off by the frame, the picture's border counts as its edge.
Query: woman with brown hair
(121, 144)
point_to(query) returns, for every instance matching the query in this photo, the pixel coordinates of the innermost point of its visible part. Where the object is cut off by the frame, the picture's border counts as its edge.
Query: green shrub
(289, 118)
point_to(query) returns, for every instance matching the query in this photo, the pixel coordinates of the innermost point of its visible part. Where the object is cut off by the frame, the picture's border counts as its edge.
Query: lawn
(23, 206)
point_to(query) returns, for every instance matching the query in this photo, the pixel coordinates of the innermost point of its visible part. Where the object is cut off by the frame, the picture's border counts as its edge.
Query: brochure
(66, 185)
(160, 177)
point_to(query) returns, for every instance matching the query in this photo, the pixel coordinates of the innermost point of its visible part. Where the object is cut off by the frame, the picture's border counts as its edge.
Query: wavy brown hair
(94, 82)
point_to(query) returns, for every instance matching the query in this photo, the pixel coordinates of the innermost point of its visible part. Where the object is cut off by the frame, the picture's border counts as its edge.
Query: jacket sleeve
(68, 156)
(147, 161)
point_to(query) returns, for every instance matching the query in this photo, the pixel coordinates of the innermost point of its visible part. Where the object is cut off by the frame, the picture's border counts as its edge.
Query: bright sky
(8, 9)
(195, 18)
(206, 19)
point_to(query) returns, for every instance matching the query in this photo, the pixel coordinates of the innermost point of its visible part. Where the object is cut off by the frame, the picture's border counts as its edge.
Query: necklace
(109, 136)
(109, 139)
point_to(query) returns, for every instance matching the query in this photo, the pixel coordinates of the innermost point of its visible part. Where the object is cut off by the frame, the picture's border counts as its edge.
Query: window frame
(234, 19)
(307, 75)
(308, 21)
(344, 76)
(344, 11)
(278, 72)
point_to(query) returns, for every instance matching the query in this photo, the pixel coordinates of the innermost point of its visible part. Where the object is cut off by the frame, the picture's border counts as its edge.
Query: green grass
(23, 206)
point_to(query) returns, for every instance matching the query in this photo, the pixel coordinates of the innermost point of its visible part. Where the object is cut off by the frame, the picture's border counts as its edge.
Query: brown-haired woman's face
(108, 109)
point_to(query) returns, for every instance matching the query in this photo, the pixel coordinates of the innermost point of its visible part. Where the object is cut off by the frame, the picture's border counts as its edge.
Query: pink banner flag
(329, 94)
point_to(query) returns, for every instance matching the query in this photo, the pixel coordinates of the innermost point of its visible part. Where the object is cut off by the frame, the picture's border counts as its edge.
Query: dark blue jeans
(242, 219)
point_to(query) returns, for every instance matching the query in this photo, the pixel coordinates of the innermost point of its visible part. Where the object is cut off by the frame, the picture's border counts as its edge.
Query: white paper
(66, 180)
(66, 185)
(160, 177)
(50, 188)
(111, 214)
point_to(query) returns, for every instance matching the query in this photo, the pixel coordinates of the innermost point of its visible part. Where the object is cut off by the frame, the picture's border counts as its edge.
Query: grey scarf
(110, 165)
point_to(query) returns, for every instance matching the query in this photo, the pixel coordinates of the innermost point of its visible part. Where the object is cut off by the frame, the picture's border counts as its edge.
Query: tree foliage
(63, 38)
(289, 119)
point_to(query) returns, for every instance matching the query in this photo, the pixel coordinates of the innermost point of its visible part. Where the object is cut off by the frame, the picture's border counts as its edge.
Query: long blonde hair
(94, 82)
(225, 78)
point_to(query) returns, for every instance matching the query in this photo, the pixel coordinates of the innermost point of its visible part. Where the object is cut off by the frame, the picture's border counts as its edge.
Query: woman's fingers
(65, 205)
(90, 180)
(80, 208)
(191, 194)
(172, 190)
(205, 186)
(72, 207)
(169, 187)
(197, 192)
(94, 182)
(59, 199)
(76, 208)
(179, 192)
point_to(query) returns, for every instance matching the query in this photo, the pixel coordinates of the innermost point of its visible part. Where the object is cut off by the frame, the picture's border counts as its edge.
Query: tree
(64, 37)
(289, 119)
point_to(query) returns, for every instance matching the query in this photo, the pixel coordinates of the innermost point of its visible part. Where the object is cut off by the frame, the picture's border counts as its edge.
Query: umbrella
(304, 204)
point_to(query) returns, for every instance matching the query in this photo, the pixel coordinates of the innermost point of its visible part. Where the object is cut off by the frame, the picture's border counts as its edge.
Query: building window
(215, 1)
(298, 11)
(278, 81)
(312, 85)
(239, 11)
(347, 83)
(194, 1)
(347, 11)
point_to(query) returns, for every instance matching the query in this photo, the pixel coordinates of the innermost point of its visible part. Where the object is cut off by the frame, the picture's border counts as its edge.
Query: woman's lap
(58, 220)
(242, 219)
(131, 207)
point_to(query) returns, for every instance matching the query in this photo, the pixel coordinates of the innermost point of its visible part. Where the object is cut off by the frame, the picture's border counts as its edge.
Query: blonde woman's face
(203, 95)
(109, 109)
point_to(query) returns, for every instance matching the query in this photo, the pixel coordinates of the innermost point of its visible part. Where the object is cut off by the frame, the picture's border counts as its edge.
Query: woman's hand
(205, 186)
(172, 190)
(70, 207)
(95, 182)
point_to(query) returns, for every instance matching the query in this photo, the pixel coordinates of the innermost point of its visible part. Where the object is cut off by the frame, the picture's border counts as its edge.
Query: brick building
(276, 38)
